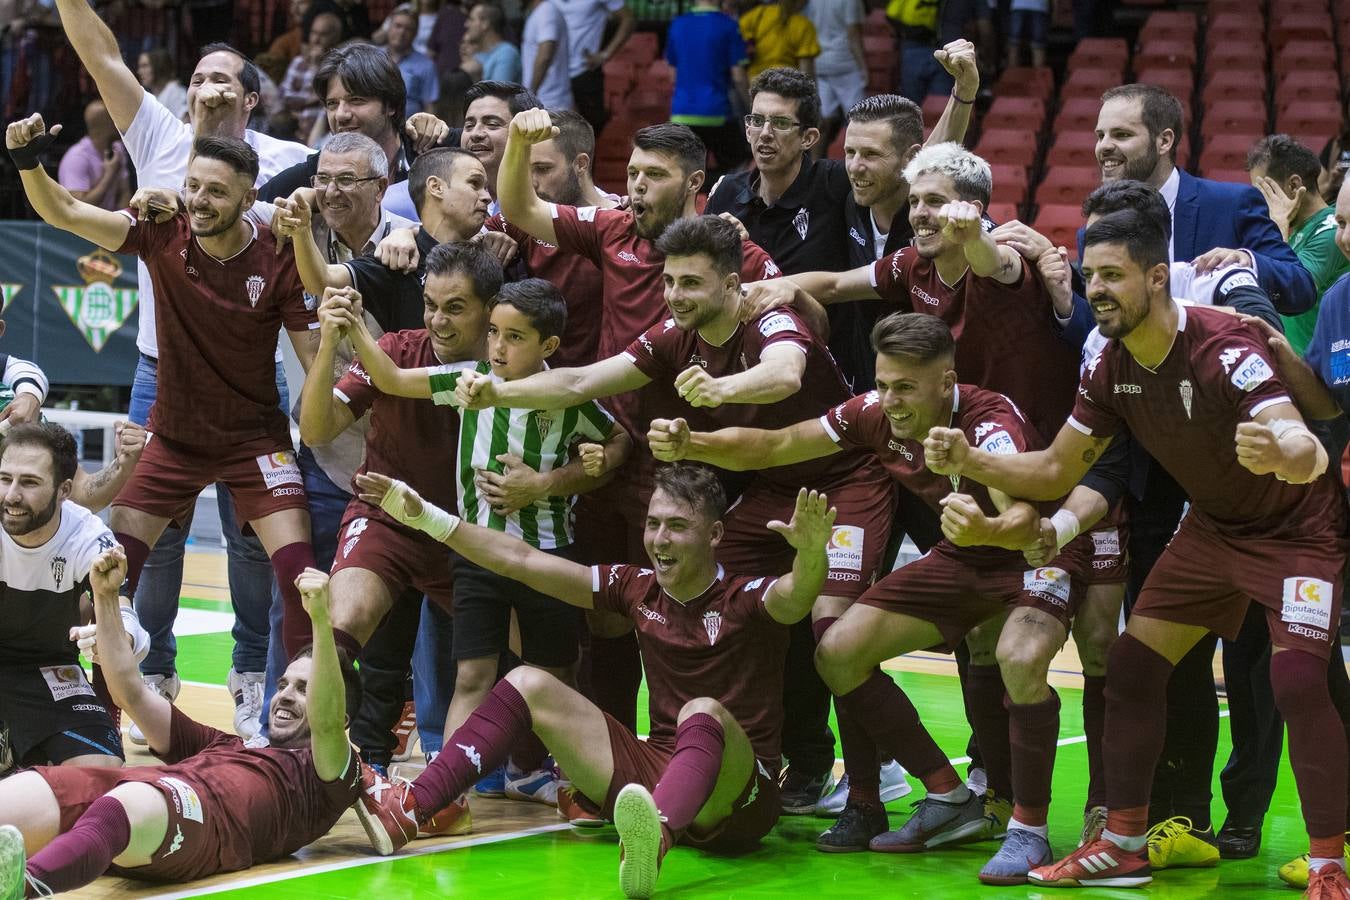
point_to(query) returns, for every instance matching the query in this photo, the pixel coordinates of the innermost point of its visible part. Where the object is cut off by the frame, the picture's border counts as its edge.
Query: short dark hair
(248, 73)
(439, 162)
(496, 16)
(517, 96)
(575, 134)
(695, 485)
(233, 152)
(710, 236)
(903, 115)
(1144, 240)
(918, 336)
(52, 438)
(674, 140)
(1159, 110)
(1129, 194)
(161, 64)
(483, 269)
(791, 84)
(366, 71)
(537, 300)
(1282, 156)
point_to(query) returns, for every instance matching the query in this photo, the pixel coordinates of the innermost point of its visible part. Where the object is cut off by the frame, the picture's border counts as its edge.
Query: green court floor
(560, 865)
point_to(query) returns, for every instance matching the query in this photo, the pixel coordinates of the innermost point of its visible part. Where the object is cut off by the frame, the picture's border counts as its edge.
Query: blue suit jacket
(1211, 214)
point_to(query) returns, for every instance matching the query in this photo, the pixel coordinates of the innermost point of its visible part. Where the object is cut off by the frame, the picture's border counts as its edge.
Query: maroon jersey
(579, 281)
(1005, 334)
(276, 802)
(218, 322)
(663, 352)
(1185, 414)
(412, 440)
(631, 269)
(722, 644)
(990, 421)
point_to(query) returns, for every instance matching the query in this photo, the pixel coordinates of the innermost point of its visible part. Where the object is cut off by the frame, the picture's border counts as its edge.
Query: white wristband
(1066, 527)
(433, 521)
(1290, 428)
(140, 638)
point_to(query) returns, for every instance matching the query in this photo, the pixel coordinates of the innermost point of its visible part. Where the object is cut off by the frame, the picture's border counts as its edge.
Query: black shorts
(53, 715)
(483, 604)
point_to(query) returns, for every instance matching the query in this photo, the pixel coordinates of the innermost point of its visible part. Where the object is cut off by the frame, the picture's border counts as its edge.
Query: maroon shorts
(1207, 579)
(1110, 549)
(193, 842)
(263, 478)
(754, 812)
(400, 557)
(865, 499)
(945, 588)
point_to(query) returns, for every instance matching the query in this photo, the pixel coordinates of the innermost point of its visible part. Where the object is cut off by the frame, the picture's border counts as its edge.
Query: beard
(657, 219)
(223, 223)
(30, 520)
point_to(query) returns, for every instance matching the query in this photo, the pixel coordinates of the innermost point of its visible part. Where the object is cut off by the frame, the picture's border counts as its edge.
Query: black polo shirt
(393, 298)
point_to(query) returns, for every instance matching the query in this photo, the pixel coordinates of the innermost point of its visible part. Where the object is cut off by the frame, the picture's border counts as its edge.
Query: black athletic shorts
(483, 604)
(53, 715)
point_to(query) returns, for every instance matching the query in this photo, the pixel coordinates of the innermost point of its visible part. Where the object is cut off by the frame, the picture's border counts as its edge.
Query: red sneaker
(406, 734)
(1098, 863)
(576, 809)
(386, 811)
(1328, 883)
(454, 819)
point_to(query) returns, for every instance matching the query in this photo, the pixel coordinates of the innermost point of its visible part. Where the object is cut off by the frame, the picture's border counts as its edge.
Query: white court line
(261, 880)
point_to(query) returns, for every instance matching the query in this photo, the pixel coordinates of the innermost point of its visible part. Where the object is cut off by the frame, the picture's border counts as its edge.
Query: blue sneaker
(540, 786)
(493, 784)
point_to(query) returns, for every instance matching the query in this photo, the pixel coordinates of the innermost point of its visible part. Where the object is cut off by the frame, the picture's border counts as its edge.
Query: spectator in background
(1335, 159)
(486, 55)
(1029, 22)
(924, 28)
(94, 169)
(419, 72)
(154, 69)
(353, 13)
(705, 48)
(290, 42)
(588, 52)
(297, 88)
(841, 67)
(545, 55)
(444, 41)
(777, 34)
(1286, 173)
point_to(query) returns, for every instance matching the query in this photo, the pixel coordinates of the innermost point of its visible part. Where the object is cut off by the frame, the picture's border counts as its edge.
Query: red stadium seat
(1301, 55)
(1165, 54)
(1233, 85)
(1067, 185)
(1026, 81)
(1241, 55)
(1168, 26)
(1010, 184)
(1016, 148)
(932, 107)
(1228, 151)
(642, 47)
(1180, 83)
(1024, 112)
(1073, 149)
(1089, 83)
(1002, 213)
(1290, 94)
(1100, 53)
(1077, 114)
(1294, 26)
(1237, 176)
(1228, 116)
(1060, 223)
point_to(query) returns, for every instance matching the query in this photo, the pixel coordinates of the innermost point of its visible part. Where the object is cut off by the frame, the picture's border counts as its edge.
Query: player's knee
(1022, 662)
(533, 684)
(1094, 647)
(476, 676)
(705, 705)
(831, 656)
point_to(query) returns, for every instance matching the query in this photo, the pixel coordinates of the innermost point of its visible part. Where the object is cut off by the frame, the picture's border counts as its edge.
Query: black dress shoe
(1238, 841)
(854, 830)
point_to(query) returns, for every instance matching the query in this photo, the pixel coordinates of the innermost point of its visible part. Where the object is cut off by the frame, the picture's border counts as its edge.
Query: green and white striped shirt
(542, 438)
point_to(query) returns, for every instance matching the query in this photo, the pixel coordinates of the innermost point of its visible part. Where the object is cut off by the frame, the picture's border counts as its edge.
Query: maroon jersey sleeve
(581, 229)
(1241, 369)
(891, 277)
(756, 264)
(656, 352)
(296, 313)
(145, 237)
(782, 326)
(995, 426)
(855, 422)
(608, 585)
(354, 387)
(1093, 410)
(749, 598)
(188, 737)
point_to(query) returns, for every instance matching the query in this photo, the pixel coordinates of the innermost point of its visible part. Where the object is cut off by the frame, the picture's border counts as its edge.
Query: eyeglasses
(780, 124)
(343, 182)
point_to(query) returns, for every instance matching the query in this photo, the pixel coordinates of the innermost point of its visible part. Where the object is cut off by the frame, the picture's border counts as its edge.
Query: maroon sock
(1136, 720)
(616, 674)
(989, 720)
(1034, 735)
(84, 852)
(477, 747)
(691, 774)
(528, 753)
(288, 562)
(882, 709)
(1094, 723)
(860, 752)
(1317, 749)
(136, 552)
(348, 644)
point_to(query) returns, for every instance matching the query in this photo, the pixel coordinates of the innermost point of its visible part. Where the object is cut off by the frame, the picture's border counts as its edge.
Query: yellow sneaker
(1295, 872)
(1173, 844)
(997, 813)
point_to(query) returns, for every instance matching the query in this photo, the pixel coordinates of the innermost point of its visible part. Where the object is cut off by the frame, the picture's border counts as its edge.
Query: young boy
(516, 476)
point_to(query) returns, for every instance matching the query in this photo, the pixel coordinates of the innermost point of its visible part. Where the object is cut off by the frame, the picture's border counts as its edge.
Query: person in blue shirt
(709, 56)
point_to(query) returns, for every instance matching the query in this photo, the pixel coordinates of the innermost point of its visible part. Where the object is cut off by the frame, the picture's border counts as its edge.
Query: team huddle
(573, 438)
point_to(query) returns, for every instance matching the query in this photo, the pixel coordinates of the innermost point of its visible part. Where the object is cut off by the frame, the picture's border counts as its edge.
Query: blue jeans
(920, 74)
(433, 675)
(249, 570)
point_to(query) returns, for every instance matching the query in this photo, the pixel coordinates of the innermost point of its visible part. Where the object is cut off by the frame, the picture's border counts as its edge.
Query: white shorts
(839, 93)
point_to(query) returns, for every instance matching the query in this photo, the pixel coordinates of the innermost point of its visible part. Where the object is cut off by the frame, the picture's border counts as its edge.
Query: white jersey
(159, 146)
(40, 588)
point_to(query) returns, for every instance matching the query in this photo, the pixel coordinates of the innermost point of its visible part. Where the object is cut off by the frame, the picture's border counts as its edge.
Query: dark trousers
(808, 742)
(588, 95)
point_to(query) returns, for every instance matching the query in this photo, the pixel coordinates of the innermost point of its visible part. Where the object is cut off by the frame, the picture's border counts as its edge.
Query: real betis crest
(7, 292)
(96, 308)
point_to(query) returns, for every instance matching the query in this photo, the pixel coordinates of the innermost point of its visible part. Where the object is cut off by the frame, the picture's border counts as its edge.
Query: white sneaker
(247, 688)
(541, 785)
(977, 780)
(893, 787)
(167, 686)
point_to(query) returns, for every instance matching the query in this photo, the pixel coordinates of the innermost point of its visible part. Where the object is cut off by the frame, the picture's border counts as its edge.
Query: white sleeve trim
(1266, 404)
(825, 423)
(341, 396)
(794, 342)
(872, 273)
(553, 210)
(629, 356)
(1080, 426)
(595, 579)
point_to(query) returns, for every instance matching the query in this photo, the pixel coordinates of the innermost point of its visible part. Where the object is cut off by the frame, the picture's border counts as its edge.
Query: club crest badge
(712, 623)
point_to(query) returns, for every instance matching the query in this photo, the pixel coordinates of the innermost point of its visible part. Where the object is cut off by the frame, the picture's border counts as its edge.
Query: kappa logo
(105, 542)
(982, 429)
(614, 575)
(349, 546)
(1229, 358)
(1092, 366)
(667, 325)
(1305, 631)
(712, 623)
(870, 399)
(471, 753)
(58, 569)
(1128, 389)
(628, 257)
(652, 615)
(254, 285)
(802, 222)
(177, 843)
(900, 448)
(357, 526)
(646, 343)
(853, 233)
(696, 360)
(771, 270)
(924, 295)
